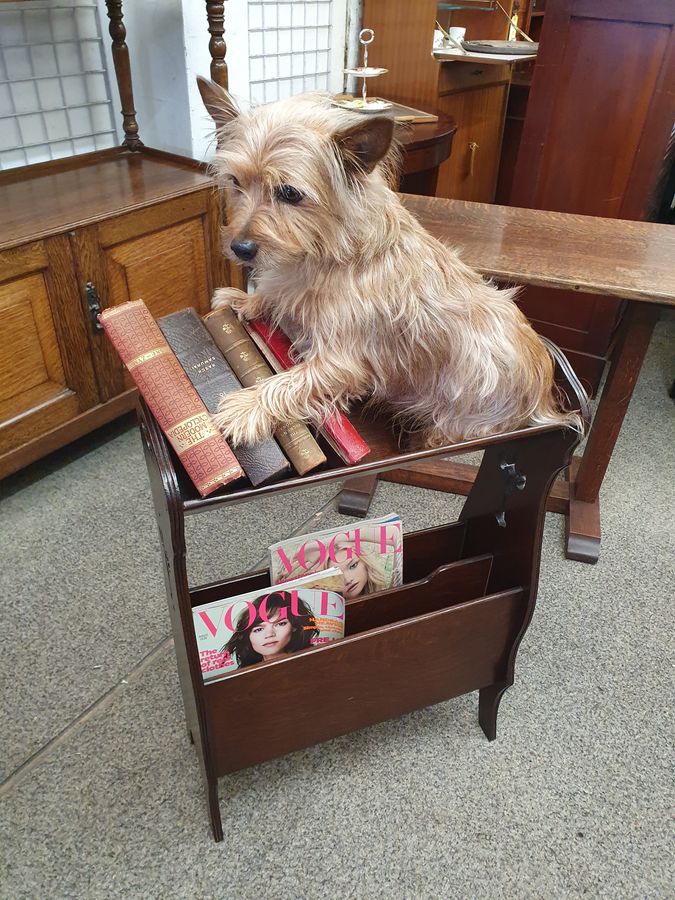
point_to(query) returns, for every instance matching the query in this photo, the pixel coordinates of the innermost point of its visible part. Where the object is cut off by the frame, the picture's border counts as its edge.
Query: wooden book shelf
(468, 595)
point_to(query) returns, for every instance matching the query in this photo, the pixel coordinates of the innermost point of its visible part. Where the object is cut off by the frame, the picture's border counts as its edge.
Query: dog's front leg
(246, 306)
(308, 391)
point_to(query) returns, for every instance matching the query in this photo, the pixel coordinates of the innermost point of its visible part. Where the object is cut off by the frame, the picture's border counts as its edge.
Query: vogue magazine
(268, 624)
(369, 554)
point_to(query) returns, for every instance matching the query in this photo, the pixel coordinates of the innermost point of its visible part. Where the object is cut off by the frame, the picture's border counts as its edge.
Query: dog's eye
(288, 194)
(234, 182)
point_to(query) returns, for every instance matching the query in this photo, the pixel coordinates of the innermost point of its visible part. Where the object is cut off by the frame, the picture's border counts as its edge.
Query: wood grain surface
(631, 260)
(38, 201)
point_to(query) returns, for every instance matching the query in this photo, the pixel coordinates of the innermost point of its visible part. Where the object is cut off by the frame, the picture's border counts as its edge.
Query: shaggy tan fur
(378, 308)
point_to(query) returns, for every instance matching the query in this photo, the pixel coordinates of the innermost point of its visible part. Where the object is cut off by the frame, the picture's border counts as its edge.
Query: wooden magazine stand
(467, 599)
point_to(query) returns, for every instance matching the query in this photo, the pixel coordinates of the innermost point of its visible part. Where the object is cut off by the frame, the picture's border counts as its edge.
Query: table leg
(356, 495)
(583, 521)
(423, 183)
(579, 498)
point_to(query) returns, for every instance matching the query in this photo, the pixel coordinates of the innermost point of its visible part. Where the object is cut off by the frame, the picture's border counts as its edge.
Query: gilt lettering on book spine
(173, 401)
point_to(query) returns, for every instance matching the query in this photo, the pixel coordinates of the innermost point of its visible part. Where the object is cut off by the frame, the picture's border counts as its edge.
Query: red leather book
(337, 429)
(174, 402)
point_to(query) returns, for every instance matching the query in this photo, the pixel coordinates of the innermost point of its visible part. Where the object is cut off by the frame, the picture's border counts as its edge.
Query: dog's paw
(242, 419)
(245, 306)
(227, 296)
(250, 308)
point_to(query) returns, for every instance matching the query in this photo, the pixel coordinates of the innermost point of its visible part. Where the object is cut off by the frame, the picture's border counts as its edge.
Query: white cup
(458, 34)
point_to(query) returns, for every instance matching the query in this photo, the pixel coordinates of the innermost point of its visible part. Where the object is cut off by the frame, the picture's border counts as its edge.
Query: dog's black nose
(244, 249)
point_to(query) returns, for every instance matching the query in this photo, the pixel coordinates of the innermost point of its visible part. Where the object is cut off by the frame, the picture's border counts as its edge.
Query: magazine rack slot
(230, 587)
(419, 644)
(425, 551)
(448, 585)
(433, 547)
(359, 681)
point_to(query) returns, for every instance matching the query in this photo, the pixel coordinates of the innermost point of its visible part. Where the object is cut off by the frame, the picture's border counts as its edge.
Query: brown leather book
(250, 368)
(166, 389)
(213, 378)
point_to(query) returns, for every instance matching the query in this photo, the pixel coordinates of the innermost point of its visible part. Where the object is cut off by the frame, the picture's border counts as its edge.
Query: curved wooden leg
(488, 705)
(214, 810)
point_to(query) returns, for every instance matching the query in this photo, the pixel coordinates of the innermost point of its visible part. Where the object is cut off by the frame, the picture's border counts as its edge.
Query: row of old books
(313, 578)
(183, 365)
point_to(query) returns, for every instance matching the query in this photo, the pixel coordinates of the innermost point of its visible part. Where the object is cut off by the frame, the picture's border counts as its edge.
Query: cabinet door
(600, 113)
(46, 374)
(597, 130)
(166, 256)
(471, 171)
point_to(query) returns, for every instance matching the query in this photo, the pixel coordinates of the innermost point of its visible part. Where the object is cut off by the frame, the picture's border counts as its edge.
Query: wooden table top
(36, 201)
(424, 134)
(631, 260)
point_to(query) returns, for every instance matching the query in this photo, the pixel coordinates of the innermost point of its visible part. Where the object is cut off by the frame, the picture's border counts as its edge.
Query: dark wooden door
(599, 118)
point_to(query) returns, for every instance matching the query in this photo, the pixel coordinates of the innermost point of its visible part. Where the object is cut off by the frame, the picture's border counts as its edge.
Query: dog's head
(299, 175)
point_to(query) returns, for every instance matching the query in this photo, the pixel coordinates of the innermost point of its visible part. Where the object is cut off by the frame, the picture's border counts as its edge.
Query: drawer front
(461, 76)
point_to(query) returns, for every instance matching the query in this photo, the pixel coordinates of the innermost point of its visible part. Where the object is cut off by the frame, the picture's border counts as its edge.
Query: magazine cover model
(369, 554)
(268, 624)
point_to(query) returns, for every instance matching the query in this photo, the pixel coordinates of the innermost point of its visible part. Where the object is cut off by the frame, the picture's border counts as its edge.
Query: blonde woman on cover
(363, 574)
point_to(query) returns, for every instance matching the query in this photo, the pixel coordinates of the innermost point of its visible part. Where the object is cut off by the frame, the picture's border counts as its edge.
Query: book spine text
(173, 401)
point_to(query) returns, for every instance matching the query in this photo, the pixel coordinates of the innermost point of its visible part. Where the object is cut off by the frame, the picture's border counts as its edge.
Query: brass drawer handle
(473, 146)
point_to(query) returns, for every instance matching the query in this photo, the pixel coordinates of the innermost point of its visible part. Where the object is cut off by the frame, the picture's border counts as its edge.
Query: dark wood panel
(450, 584)
(599, 118)
(600, 110)
(458, 478)
(588, 155)
(382, 674)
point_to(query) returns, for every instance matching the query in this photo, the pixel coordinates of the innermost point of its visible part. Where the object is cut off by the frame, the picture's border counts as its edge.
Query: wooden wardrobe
(596, 141)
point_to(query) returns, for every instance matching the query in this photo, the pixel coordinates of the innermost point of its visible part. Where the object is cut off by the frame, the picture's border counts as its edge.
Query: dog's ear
(365, 144)
(218, 102)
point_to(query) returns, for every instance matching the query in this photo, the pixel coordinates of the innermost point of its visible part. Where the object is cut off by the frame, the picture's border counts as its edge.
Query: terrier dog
(377, 307)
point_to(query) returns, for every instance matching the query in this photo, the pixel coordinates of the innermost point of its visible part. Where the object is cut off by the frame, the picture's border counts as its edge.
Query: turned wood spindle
(215, 13)
(120, 53)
